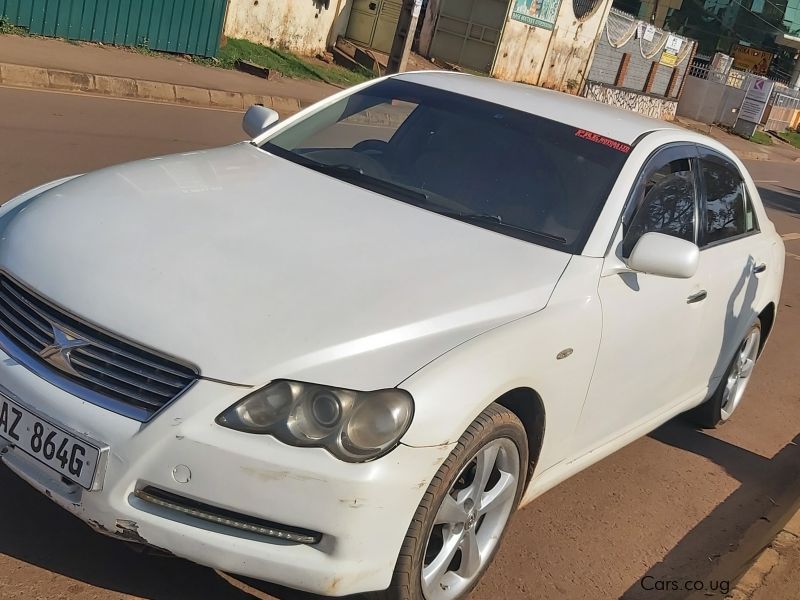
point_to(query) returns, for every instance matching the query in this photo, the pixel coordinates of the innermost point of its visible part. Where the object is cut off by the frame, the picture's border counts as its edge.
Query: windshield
(489, 165)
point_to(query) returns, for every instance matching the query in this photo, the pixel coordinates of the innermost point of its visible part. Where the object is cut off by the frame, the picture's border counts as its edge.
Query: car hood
(254, 268)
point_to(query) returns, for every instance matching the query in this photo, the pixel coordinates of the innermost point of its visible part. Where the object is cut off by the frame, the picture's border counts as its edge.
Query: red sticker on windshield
(600, 139)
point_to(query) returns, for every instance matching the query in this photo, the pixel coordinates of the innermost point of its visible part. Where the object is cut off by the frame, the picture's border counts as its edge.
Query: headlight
(353, 426)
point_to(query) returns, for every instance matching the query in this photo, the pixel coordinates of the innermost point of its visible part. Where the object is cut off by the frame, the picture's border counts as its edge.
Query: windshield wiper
(496, 221)
(337, 168)
(358, 177)
(353, 175)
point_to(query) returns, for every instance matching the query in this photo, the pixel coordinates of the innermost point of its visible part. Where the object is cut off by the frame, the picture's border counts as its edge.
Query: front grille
(85, 360)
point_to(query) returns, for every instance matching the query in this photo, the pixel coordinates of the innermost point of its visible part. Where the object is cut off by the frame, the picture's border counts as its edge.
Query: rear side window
(726, 211)
(668, 205)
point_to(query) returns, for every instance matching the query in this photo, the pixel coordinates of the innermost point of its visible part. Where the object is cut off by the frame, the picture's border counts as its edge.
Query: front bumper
(361, 510)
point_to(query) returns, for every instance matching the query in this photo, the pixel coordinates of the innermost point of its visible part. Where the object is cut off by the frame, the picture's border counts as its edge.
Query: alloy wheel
(471, 520)
(739, 374)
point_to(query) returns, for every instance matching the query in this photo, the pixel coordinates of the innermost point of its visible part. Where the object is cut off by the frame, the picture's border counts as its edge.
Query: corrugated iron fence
(183, 26)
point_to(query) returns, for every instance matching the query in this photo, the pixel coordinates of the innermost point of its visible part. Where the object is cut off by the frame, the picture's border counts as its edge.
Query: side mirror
(258, 119)
(664, 255)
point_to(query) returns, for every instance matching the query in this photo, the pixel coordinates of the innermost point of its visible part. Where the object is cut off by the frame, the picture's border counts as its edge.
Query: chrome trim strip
(729, 240)
(101, 447)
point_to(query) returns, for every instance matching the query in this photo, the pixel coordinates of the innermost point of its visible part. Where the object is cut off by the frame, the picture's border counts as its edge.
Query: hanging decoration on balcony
(620, 28)
(654, 44)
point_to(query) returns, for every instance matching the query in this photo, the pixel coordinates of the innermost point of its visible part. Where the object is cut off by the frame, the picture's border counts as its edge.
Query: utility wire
(759, 17)
(780, 10)
(738, 33)
(729, 28)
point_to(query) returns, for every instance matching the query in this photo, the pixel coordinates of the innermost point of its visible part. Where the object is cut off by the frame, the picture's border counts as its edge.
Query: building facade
(725, 25)
(543, 42)
(306, 27)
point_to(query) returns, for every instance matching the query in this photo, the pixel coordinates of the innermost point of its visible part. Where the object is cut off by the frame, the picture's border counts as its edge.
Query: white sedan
(339, 356)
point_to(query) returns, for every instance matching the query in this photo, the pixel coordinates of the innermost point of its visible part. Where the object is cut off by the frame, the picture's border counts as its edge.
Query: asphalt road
(679, 505)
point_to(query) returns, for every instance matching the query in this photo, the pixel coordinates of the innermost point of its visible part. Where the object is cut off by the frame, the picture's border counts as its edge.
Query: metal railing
(734, 78)
(783, 110)
(785, 101)
(786, 91)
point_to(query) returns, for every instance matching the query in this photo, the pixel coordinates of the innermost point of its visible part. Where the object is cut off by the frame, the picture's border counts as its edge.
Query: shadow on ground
(781, 198)
(715, 549)
(44, 535)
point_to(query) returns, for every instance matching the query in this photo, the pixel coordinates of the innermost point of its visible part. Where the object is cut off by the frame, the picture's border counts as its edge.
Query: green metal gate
(468, 32)
(183, 26)
(374, 22)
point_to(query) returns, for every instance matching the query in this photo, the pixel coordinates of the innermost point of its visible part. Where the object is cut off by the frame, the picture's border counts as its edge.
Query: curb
(748, 155)
(755, 576)
(24, 76)
(706, 129)
(703, 128)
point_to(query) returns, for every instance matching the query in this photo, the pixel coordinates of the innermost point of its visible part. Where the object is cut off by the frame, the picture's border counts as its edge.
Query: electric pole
(404, 36)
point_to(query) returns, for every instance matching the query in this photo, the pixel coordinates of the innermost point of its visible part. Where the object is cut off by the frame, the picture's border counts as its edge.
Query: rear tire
(458, 526)
(718, 409)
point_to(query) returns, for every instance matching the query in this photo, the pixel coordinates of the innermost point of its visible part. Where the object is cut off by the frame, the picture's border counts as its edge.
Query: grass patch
(143, 47)
(8, 28)
(759, 137)
(792, 137)
(286, 63)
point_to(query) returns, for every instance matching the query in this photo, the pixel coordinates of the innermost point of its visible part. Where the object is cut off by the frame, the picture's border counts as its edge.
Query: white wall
(302, 26)
(557, 59)
(521, 52)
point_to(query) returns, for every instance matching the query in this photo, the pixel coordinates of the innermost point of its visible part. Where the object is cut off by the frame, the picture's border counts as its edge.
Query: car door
(650, 323)
(734, 255)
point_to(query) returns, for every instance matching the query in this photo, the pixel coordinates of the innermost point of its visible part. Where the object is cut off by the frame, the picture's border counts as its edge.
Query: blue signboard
(539, 13)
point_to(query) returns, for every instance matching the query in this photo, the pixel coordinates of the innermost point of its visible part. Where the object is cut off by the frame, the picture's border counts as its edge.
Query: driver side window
(374, 125)
(667, 201)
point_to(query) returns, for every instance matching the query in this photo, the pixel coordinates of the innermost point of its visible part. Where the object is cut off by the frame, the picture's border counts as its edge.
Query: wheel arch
(767, 318)
(528, 406)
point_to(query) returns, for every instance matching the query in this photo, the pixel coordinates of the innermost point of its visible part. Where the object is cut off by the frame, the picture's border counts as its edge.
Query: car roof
(615, 123)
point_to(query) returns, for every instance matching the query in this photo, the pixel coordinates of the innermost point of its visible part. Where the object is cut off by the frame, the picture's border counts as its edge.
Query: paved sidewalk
(35, 62)
(746, 150)
(124, 63)
(778, 152)
(775, 574)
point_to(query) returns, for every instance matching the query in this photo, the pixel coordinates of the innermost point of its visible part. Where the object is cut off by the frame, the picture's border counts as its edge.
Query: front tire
(458, 526)
(718, 409)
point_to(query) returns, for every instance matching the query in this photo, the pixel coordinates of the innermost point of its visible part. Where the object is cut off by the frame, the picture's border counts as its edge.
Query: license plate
(62, 451)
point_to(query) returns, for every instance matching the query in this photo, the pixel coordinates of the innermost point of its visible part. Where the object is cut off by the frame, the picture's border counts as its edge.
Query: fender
(552, 351)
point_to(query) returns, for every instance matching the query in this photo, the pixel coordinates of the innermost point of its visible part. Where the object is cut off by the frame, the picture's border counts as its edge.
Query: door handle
(759, 269)
(373, 5)
(698, 297)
